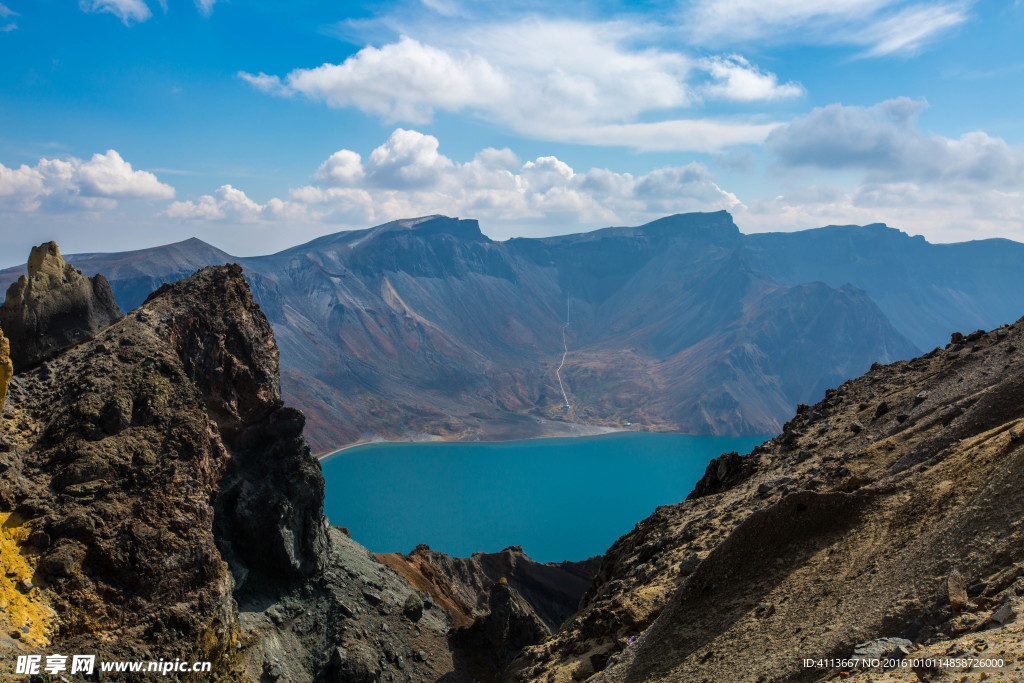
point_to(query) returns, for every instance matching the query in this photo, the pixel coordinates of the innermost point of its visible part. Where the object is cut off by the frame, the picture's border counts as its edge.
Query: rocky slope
(53, 307)
(890, 509)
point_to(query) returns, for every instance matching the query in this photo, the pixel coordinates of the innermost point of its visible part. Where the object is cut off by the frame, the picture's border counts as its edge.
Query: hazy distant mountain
(426, 326)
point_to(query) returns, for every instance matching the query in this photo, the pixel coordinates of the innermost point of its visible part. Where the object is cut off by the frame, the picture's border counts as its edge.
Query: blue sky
(256, 125)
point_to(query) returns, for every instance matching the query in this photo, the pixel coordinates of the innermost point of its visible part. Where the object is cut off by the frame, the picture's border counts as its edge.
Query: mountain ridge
(425, 327)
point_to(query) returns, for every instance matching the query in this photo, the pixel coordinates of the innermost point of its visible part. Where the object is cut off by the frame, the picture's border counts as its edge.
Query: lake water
(560, 499)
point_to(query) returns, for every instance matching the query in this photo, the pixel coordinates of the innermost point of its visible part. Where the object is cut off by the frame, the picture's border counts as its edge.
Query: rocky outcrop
(462, 585)
(6, 368)
(165, 505)
(53, 308)
(828, 538)
(484, 649)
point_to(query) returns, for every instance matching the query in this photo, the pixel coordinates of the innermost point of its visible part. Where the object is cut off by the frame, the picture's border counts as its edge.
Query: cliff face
(161, 502)
(54, 307)
(889, 509)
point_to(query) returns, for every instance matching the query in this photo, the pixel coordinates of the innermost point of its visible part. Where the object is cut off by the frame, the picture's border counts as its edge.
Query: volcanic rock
(182, 508)
(53, 308)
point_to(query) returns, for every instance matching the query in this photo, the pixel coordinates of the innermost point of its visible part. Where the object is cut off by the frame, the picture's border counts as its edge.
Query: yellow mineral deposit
(25, 615)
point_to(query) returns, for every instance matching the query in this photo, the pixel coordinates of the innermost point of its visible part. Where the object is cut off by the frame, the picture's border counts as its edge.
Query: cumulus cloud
(548, 79)
(885, 142)
(408, 176)
(879, 27)
(128, 11)
(404, 81)
(233, 205)
(74, 184)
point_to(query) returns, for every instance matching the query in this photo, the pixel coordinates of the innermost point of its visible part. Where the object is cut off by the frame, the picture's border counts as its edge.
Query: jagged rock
(462, 586)
(856, 427)
(53, 308)
(882, 649)
(1004, 615)
(6, 367)
(689, 565)
(954, 591)
(723, 472)
(178, 494)
(483, 650)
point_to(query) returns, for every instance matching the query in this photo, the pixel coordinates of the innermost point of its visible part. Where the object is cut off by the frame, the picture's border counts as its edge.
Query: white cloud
(135, 11)
(7, 28)
(907, 31)
(6, 11)
(205, 7)
(404, 81)
(232, 205)
(951, 189)
(886, 144)
(407, 160)
(344, 167)
(548, 79)
(737, 79)
(128, 11)
(408, 176)
(73, 184)
(881, 27)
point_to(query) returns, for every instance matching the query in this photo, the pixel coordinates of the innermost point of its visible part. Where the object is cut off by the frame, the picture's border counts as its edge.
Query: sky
(257, 124)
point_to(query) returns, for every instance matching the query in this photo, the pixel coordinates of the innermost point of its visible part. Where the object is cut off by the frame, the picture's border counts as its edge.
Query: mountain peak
(718, 222)
(45, 260)
(467, 229)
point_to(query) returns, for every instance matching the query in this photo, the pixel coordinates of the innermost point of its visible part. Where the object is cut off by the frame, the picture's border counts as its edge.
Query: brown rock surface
(53, 308)
(824, 537)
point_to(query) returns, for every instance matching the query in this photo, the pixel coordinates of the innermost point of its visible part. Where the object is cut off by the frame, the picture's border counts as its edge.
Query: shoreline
(604, 431)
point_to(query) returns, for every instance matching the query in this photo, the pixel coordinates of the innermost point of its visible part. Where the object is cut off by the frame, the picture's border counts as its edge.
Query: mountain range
(427, 328)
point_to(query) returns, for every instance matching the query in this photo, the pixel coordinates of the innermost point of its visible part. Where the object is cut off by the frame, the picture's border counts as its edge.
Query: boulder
(954, 590)
(882, 649)
(53, 308)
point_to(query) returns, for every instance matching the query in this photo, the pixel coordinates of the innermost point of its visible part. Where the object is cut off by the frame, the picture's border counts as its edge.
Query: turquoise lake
(560, 499)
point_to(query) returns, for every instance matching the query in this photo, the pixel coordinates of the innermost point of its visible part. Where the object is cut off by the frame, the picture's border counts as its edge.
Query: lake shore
(576, 430)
